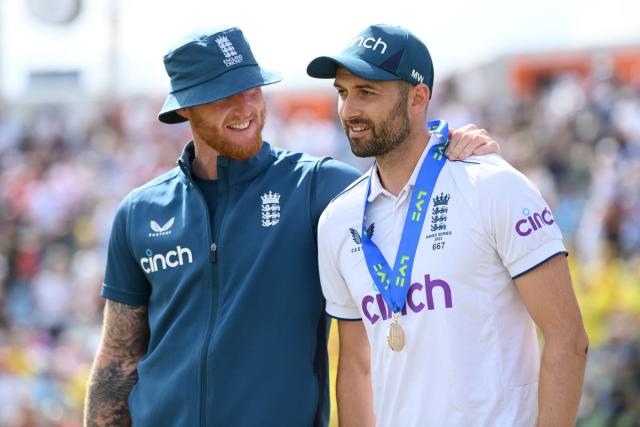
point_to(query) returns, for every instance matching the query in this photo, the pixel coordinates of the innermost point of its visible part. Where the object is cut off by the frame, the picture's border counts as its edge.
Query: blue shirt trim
(343, 318)
(539, 264)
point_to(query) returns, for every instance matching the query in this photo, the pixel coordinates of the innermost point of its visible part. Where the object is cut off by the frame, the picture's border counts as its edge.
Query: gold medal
(395, 334)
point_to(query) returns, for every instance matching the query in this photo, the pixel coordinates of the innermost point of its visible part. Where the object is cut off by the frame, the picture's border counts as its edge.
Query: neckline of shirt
(378, 189)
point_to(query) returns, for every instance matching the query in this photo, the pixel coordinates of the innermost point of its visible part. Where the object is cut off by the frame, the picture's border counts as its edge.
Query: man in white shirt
(447, 340)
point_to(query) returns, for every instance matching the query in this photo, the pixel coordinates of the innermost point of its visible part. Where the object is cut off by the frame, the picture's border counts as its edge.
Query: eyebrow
(360, 86)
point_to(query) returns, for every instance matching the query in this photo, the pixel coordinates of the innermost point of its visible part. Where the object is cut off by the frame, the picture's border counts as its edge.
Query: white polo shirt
(471, 356)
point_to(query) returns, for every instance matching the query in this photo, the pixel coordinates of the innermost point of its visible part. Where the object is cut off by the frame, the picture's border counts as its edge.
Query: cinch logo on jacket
(152, 263)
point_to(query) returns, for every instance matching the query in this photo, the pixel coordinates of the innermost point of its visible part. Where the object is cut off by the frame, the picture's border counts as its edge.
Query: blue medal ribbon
(394, 284)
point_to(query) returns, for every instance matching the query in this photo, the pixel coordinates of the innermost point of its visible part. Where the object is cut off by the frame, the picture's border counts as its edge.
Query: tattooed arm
(125, 337)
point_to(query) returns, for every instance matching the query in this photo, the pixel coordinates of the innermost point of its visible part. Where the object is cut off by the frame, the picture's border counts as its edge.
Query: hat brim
(325, 67)
(233, 81)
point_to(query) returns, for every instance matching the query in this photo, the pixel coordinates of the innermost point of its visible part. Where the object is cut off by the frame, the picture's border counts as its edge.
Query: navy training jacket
(236, 313)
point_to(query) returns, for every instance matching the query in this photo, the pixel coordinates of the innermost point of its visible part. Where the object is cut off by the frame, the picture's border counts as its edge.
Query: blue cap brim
(233, 81)
(325, 67)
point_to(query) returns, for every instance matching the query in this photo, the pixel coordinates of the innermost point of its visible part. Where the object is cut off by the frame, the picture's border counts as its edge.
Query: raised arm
(548, 295)
(125, 337)
(353, 385)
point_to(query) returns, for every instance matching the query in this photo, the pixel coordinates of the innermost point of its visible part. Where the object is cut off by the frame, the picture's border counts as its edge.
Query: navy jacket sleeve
(124, 279)
(330, 179)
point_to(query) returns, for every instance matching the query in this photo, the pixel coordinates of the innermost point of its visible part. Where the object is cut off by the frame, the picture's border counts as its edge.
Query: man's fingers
(470, 140)
(491, 146)
(466, 128)
(480, 145)
(459, 142)
(455, 144)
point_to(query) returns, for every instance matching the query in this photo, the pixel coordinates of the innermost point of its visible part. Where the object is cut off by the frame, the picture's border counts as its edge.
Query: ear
(420, 98)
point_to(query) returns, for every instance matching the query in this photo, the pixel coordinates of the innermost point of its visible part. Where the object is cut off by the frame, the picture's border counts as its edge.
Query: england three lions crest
(270, 209)
(439, 214)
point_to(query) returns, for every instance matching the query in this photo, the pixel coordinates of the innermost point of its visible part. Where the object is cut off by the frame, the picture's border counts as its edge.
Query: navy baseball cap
(210, 65)
(380, 52)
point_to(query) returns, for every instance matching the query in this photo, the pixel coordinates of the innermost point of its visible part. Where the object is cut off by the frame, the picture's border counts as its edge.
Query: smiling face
(231, 126)
(373, 114)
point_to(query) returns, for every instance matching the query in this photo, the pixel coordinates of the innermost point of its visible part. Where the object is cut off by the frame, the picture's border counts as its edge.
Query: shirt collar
(376, 186)
(234, 170)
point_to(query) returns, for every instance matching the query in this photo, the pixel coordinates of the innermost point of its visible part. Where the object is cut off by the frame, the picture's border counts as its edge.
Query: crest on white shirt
(439, 212)
(438, 227)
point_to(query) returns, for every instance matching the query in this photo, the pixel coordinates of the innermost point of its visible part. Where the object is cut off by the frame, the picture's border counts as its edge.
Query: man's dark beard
(386, 136)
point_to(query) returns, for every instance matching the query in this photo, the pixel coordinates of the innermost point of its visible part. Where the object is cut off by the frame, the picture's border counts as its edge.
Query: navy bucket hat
(208, 66)
(380, 52)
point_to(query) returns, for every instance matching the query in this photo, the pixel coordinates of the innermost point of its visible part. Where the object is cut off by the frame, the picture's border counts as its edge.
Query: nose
(348, 108)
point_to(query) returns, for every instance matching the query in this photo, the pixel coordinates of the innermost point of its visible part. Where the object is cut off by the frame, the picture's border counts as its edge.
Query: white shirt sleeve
(520, 221)
(340, 303)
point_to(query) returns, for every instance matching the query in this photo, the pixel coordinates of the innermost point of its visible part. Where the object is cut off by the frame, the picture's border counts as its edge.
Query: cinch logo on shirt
(375, 307)
(152, 263)
(534, 222)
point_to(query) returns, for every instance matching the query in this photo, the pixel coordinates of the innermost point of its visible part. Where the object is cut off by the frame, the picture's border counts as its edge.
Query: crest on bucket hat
(210, 65)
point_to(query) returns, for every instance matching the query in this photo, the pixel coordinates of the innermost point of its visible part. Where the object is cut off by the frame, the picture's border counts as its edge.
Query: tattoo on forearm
(124, 340)
(109, 389)
(126, 333)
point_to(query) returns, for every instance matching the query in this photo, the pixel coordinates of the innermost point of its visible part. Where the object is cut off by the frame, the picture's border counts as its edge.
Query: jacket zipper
(213, 252)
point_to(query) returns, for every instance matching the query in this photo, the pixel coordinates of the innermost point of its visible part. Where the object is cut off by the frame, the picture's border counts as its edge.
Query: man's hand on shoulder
(470, 140)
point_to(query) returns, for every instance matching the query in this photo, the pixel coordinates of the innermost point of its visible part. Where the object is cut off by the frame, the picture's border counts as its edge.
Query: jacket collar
(233, 170)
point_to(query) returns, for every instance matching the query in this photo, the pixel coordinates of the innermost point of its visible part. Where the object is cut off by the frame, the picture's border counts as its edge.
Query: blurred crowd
(64, 168)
